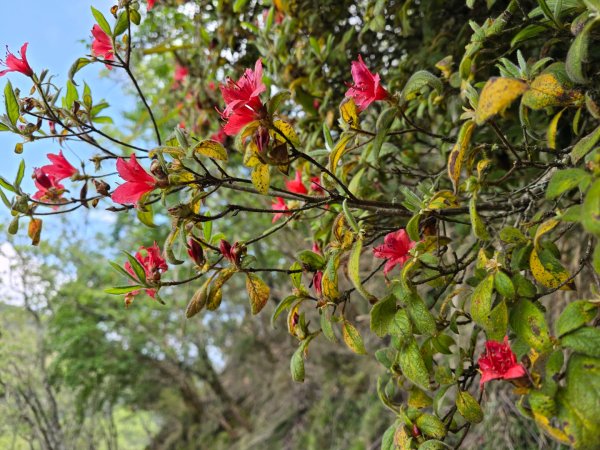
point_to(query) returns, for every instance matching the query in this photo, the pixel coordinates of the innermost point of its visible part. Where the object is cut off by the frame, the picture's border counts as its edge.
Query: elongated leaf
(354, 271)
(497, 95)
(101, 20)
(261, 178)
(11, 104)
(352, 338)
(120, 290)
(258, 292)
(457, 154)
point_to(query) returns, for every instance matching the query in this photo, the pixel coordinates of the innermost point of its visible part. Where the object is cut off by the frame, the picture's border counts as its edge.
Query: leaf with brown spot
(497, 95)
(457, 154)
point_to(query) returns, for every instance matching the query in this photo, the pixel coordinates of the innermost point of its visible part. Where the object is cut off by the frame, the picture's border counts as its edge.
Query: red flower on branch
(296, 185)
(279, 205)
(366, 88)
(137, 181)
(315, 185)
(60, 167)
(499, 361)
(49, 189)
(395, 249)
(154, 265)
(242, 101)
(102, 45)
(150, 4)
(15, 64)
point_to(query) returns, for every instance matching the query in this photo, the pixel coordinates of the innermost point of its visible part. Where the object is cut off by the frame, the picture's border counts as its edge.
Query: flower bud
(196, 252)
(317, 283)
(102, 187)
(262, 138)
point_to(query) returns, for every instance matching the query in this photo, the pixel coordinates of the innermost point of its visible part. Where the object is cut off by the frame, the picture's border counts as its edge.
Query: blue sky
(58, 32)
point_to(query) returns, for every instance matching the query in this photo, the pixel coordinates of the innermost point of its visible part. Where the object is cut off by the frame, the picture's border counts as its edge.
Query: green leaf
(574, 316)
(101, 20)
(504, 285)
(282, 306)
(565, 180)
(585, 340)
(481, 301)
(384, 122)
(20, 174)
(79, 64)
(418, 81)
(529, 324)
(198, 300)
(590, 211)
(354, 271)
(585, 145)
(352, 338)
(258, 291)
(478, 226)
(412, 365)
(120, 290)
(137, 267)
(419, 314)
(327, 327)
(122, 24)
(311, 259)
(468, 407)
(382, 315)
(578, 54)
(11, 104)
(434, 444)
(512, 235)
(297, 365)
(431, 426)
(71, 96)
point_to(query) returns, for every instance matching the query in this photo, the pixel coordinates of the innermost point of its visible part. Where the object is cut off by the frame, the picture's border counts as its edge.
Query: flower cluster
(367, 86)
(137, 182)
(395, 248)
(154, 265)
(47, 179)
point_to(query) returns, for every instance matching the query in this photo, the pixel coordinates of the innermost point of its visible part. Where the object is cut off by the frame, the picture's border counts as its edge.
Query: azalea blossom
(279, 205)
(499, 361)
(296, 185)
(181, 73)
(60, 167)
(315, 185)
(15, 64)
(154, 265)
(233, 253)
(366, 88)
(137, 181)
(196, 252)
(395, 249)
(49, 189)
(102, 45)
(242, 101)
(151, 4)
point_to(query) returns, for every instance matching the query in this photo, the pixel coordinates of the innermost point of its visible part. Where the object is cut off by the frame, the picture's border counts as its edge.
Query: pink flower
(395, 249)
(366, 88)
(181, 73)
(499, 361)
(15, 64)
(137, 181)
(280, 206)
(296, 184)
(242, 101)
(102, 44)
(315, 185)
(154, 264)
(60, 167)
(49, 189)
(316, 249)
(150, 4)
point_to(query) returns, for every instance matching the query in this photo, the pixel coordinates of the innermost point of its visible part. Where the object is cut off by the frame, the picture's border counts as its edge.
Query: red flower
(154, 264)
(49, 189)
(15, 64)
(366, 88)
(499, 361)
(181, 72)
(138, 181)
(296, 185)
(196, 252)
(315, 185)
(102, 44)
(242, 102)
(280, 206)
(395, 249)
(60, 167)
(150, 4)
(233, 253)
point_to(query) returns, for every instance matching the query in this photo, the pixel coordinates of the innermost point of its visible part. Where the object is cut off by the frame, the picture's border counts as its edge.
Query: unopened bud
(102, 187)
(196, 252)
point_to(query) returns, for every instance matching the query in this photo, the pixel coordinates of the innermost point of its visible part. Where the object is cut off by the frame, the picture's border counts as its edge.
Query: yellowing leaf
(258, 292)
(339, 150)
(458, 152)
(261, 178)
(354, 271)
(353, 339)
(329, 282)
(212, 149)
(497, 95)
(35, 231)
(546, 90)
(281, 127)
(481, 301)
(547, 270)
(544, 228)
(479, 229)
(551, 132)
(349, 112)
(198, 300)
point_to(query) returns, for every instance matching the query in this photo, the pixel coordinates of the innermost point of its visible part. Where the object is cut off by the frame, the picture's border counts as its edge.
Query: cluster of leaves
(490, 164)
